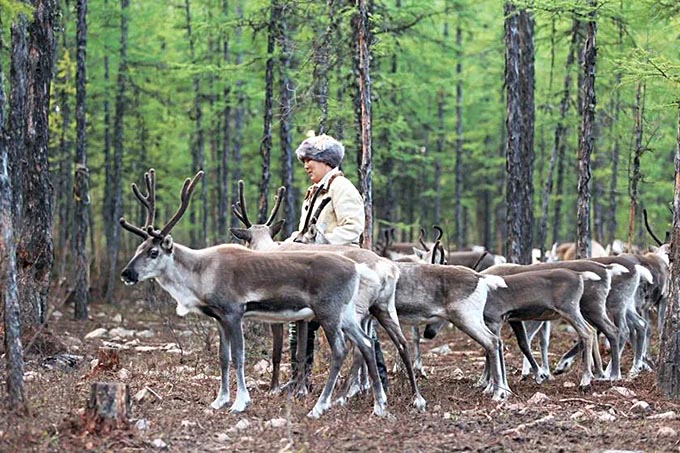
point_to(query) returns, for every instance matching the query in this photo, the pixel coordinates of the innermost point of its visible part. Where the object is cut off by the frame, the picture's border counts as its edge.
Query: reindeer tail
(494, 281)
(587, 275)
(615, 269)
(644, 273)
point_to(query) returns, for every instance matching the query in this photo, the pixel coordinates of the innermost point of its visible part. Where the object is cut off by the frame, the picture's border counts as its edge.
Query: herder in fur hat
(342, 220)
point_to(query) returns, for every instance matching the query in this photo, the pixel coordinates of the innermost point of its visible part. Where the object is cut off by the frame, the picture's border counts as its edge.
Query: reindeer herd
(344, 288)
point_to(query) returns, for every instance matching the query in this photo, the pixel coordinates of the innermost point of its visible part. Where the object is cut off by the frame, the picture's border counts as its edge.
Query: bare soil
(176, 359)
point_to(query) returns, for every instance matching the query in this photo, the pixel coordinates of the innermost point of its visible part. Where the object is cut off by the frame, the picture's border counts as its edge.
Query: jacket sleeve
(348, 206)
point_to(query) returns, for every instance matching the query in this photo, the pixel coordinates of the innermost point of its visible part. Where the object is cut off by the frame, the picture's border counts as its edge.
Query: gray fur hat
(322, 148)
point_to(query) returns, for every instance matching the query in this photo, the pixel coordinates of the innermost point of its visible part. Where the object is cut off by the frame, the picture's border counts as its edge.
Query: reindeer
(230, 282)
(375, 299)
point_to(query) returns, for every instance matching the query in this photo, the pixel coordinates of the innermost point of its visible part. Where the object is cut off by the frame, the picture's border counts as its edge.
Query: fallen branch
(516, 430)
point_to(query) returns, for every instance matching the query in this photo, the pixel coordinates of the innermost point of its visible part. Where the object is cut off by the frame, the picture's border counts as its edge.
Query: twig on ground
(516, 430)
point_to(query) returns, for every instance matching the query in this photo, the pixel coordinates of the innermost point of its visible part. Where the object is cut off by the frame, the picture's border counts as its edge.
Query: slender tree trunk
(110, 224)
(81, 191)
(223, 179)
(266, 143)
(668, 375)
(587, 141)
(9, 297)
(322, 68)
(616, 151)
(441, 137)
(366, 169)
(118, 142)
(519, 82)
(460, 241)
(635, 177)
(560, 135)
(287, 87)
(198, 152)
(35, 248)
(239, 116)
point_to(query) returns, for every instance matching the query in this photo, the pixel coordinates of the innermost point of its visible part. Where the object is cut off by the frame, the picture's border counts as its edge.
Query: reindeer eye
(153, 253)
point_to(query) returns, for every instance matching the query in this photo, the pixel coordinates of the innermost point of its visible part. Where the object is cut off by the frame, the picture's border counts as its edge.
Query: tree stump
(108, 407)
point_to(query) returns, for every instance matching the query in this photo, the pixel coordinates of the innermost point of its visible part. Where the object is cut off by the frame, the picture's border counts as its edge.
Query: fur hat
(322, 148)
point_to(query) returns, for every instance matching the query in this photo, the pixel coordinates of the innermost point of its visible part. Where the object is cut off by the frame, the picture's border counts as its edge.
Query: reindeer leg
(531, 328)
(391, 326)
(521, 334)
(277, 352)
(238, 355)
(544, 343)
(417, 357)
(639, 326)
(602, 322)
(336, 342)
(225, 358)
(351, 385)
(362, 341)
(584, 331)
(300, 388)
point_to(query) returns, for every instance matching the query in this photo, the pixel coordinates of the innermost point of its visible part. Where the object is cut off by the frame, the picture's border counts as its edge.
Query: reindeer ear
(167, 243)
(419, 253)
(241, 233)
(274, 229)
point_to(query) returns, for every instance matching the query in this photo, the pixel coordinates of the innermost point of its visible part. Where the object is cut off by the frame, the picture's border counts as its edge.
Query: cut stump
(108, 407)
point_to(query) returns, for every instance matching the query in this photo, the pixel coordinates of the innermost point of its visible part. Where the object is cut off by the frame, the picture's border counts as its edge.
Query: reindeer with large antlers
(375, 299)
(230, 282)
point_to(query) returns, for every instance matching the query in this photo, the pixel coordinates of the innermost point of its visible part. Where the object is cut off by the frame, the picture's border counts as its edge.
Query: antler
(305, 226)
(421, 239)
(185, 196)
(277, 204)
(649, 229)
(239, 209)
(148, 201)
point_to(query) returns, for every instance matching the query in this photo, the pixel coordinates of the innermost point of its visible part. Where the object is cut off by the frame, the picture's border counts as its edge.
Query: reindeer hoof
(501, 395)
(419, 403)
(239, 406)
(220, 402)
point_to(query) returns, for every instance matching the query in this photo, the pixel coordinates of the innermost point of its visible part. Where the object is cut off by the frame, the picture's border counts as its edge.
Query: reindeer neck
(182, 276)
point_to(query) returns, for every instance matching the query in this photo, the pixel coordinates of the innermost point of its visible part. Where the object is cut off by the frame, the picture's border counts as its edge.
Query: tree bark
(611, 218)
(35, 248)
(366, 169)
(460, 225)
(81, 185)
(110, 224)
(519, 82)
(286, 87)
(635, 177)
(668, 375)
(117, 164)
(9, 297)
(198, 151)
(266, 143)
(587, 136)
(108, 407)
(225, 149)
(239, 117)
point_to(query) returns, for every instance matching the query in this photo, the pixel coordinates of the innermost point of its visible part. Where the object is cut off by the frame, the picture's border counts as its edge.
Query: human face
(316, 170)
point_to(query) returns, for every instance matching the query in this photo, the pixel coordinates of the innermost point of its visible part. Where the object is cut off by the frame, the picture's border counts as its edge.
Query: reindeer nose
(129, 276)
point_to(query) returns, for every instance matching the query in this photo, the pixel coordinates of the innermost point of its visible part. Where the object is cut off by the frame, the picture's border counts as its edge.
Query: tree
(118, 146)
(81, 186)
(519, 82)
(35, 250)
(9, 297)
(587, 136)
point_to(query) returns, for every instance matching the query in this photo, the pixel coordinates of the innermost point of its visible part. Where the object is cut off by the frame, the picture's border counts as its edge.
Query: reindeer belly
(278, 311)
(532, 312)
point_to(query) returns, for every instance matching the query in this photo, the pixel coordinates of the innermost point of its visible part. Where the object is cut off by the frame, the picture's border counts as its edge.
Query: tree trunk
(366, 169)
(266, 143)
(435, 211)
(9, 298)
(635, 177)
(519, 82)
(668, 376)
(118, 142)
(239, 114)
(287, 87)
(587, 139)
(611, 219)
(108, 407)
(110, 225)
(81, 186)
(225, 149)
(460, 226)
(322, 68)
(559, 138)
(35, 248)
(198, 151)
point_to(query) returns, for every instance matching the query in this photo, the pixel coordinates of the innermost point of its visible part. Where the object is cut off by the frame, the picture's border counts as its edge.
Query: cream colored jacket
(342, 220)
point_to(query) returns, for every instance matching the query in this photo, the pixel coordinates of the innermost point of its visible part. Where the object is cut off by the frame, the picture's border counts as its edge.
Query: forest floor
(176, 360)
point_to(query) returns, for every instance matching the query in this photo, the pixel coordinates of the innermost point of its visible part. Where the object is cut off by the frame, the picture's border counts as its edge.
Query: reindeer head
(153, 255)
(257, 236)
(436, 255)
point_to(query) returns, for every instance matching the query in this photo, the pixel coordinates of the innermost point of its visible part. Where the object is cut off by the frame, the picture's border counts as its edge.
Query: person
(341, 221)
